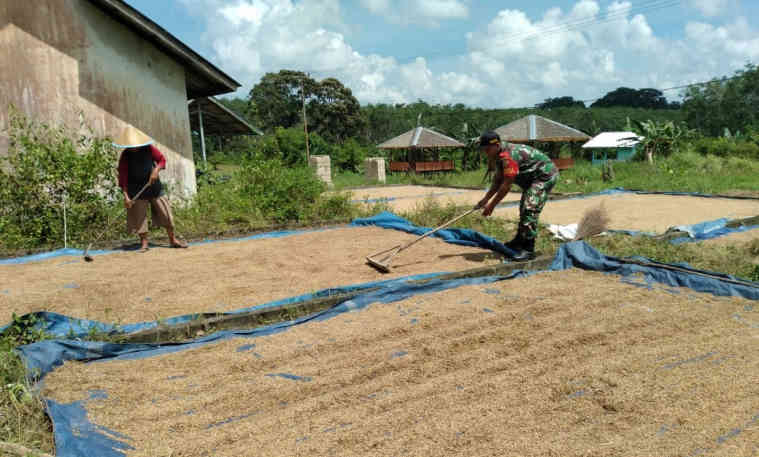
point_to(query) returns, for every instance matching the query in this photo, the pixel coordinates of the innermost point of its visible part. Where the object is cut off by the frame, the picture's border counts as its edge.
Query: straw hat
(131, 137)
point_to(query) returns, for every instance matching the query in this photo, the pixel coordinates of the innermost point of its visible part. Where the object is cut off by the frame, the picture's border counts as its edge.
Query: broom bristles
(594, 222)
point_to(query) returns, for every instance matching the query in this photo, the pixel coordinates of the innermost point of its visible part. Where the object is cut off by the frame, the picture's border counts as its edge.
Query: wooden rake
(381, 260)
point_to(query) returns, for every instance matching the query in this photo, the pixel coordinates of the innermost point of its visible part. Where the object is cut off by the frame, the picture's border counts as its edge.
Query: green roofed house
(617, 146)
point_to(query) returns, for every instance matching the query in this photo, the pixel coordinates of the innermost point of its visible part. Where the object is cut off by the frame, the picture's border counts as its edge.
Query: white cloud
(710, 8)
(513, 60)
(425, 12)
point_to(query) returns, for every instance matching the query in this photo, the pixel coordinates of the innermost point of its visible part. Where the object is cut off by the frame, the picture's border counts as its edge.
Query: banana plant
(660, 138)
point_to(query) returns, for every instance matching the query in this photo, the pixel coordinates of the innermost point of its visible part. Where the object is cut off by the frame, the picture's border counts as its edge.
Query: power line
(652, 5)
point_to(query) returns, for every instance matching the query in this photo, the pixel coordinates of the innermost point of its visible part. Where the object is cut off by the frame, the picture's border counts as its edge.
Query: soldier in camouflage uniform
(531, 170)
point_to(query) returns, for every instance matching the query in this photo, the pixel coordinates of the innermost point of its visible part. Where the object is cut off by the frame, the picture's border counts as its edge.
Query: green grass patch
(685, 171)
(461, 178)
(22, 412)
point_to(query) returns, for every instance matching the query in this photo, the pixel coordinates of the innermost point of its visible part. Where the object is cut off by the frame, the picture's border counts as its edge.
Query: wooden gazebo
(419, 143)
(538, 129)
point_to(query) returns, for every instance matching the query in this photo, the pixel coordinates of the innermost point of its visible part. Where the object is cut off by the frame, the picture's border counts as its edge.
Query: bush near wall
(49, 167)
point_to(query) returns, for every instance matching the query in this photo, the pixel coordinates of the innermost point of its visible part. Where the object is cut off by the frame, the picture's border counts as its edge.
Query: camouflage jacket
(524, 164)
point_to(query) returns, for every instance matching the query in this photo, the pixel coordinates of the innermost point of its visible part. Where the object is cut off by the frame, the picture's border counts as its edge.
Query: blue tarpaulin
(464, 237)
(579, 254)
(708, 230)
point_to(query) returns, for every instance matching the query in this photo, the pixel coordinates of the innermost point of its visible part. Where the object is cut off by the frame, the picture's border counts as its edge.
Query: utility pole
(305, 121)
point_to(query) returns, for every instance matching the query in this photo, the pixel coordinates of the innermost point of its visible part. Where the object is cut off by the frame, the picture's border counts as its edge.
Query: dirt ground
(650, 213)
(131, 287)
(564, 364)
(407, 198)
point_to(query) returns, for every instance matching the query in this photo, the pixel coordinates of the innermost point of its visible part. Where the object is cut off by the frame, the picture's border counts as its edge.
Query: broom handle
(438, 229)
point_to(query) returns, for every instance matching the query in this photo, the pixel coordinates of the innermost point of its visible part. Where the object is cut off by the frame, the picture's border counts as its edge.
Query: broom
(594, 222)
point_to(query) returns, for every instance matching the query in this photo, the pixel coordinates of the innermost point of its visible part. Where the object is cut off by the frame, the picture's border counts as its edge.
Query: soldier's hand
(128, 203)
(488, 210)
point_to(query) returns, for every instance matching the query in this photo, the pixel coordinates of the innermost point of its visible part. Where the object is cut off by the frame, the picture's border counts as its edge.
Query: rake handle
(431, 232)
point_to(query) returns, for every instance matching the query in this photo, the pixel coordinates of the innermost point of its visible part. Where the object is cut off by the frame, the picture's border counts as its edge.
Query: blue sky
(482, 53)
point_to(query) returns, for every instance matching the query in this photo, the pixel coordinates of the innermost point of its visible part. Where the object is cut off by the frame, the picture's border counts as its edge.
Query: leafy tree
(276, 99)
(725, 103)
(560, 102)
(334, 112)
(640, 98)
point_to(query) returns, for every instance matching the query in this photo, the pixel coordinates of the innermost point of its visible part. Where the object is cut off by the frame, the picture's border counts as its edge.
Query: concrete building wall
(60, 58)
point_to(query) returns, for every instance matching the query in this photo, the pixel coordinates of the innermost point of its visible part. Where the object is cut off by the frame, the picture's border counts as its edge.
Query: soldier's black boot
(516, 243)
(526, 251)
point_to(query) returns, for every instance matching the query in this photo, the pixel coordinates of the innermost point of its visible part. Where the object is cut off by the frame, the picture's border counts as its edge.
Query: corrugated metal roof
(539, 128)
(218, 119)
(421, 137)
(613, 140)
(203, 78)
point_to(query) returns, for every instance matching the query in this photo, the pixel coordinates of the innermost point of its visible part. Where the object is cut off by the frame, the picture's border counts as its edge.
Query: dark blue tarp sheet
(579, 254)
(708, 230)
(464, 237)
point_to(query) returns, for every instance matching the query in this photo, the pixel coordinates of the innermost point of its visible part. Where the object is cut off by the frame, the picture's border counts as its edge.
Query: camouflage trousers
(534, 198)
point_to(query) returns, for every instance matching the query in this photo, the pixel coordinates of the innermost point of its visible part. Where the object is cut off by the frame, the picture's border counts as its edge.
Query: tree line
(335, 115)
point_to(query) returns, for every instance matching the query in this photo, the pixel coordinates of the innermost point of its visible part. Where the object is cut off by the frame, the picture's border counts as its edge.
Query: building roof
(539, 128)
(613, 140)
(218, 119)
(202, 77)
(421, 137)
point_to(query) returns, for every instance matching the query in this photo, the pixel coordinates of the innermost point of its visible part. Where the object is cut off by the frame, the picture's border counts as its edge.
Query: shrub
(279, 192)
(727, 147)
(47, 167)
(348, 156)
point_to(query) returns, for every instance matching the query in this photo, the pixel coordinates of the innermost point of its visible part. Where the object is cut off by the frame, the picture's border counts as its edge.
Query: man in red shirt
(139, 167)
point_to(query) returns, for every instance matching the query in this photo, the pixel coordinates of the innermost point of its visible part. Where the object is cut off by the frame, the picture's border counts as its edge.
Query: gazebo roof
(421, 137)
(539, 128)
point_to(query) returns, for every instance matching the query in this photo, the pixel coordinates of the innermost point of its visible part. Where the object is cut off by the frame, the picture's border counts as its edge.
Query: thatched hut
(535, 129)
(421, 147)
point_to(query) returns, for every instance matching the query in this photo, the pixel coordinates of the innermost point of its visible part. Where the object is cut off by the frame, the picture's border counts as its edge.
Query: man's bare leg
(144, 242)
(174, 241)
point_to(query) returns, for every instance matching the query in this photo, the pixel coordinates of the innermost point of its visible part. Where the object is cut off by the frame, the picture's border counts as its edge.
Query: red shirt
(158, 159)
(510, 166)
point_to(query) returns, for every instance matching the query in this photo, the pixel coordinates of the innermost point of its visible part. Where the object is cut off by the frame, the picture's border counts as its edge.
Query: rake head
(381, 260)
(87, 256)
